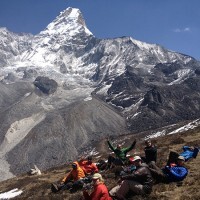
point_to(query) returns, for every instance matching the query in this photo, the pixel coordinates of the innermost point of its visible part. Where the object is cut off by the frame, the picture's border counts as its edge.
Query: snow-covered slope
(12, 45)
(67, 49)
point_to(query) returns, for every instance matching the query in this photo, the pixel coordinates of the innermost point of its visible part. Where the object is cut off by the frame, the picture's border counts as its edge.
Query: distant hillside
(38, 187)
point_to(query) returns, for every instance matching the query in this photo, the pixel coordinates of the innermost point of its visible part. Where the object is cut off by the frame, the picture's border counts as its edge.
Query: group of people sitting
(81, 173)
(137, 175)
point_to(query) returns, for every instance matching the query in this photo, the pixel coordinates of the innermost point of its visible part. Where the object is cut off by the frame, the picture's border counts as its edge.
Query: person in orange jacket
(75, 174)
(88, 166)
(72, 181)
(100, 191)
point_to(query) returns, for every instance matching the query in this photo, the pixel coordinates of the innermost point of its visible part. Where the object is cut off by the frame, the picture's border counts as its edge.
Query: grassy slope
(38, 187)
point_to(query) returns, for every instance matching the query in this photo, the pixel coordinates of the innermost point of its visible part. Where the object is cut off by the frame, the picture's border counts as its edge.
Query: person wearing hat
(120, 154)
(72, 180)
(129, 168)
(171, 173)
(140, 181)
(100, 191)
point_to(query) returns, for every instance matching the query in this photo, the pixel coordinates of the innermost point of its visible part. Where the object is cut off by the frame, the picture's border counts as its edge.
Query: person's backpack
(178, 173)
(172, 157)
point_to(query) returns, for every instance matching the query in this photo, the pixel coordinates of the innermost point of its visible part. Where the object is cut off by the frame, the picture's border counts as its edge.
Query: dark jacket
(150, 153)
(121, 153)
(143, 176)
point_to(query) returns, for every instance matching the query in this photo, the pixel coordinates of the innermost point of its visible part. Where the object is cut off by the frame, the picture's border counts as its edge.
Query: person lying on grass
(170, 173)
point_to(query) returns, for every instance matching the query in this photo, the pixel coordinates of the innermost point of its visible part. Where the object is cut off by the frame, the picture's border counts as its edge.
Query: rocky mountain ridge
(63, 88)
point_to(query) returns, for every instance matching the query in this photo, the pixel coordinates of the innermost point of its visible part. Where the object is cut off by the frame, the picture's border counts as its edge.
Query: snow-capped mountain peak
(70, 21)
(57, 44)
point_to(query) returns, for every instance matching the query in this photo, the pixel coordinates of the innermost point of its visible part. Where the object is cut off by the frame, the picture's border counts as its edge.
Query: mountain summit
(70, 22)
(64, 89)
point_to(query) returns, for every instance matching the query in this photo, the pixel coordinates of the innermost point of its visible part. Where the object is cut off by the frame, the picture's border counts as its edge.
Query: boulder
(46, 85)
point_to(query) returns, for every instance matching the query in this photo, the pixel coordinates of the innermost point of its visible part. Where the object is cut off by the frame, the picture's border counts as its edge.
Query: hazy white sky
(174, 24)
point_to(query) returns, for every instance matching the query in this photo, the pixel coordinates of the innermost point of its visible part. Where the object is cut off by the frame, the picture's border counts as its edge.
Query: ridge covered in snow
(66, 48)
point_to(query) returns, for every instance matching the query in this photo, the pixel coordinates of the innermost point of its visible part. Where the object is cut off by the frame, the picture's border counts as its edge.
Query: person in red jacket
(88, 166)
(100, 191)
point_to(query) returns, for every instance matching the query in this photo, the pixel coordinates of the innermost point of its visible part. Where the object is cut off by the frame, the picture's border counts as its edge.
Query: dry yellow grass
(38, 187)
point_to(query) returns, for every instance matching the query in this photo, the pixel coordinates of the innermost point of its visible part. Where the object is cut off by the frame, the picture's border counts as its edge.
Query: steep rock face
(67, 34)
(157, 98)
(167, 105)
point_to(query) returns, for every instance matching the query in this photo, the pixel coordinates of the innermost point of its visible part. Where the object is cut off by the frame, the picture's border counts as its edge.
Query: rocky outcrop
(46, 85)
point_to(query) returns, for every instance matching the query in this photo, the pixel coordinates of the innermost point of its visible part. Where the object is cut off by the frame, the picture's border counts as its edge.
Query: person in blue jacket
(171, 173)
(189, 152)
